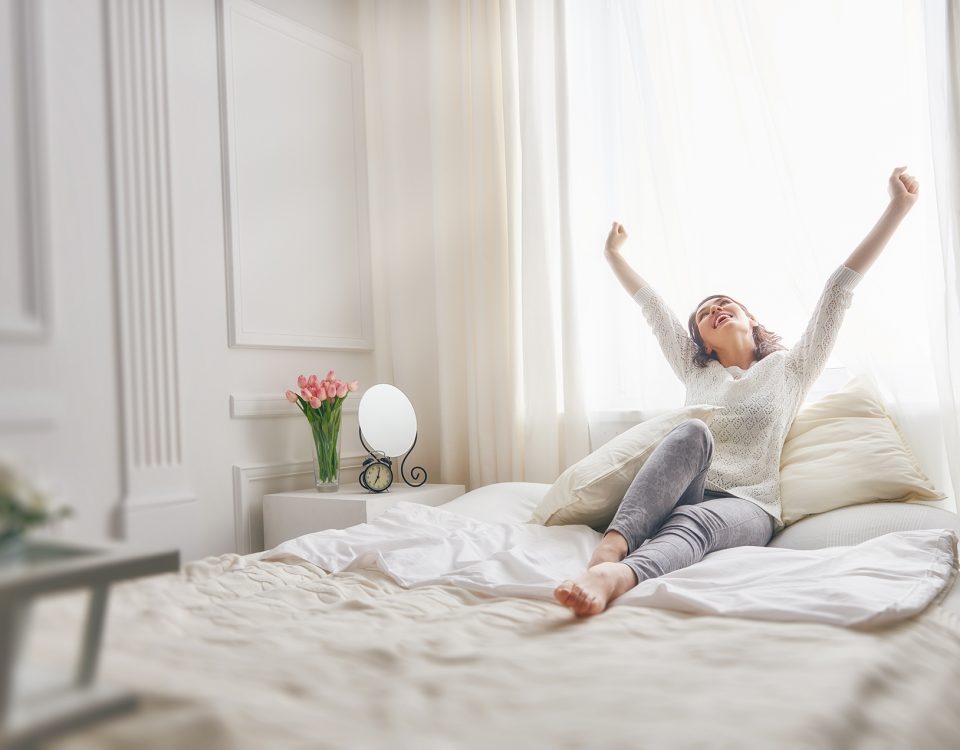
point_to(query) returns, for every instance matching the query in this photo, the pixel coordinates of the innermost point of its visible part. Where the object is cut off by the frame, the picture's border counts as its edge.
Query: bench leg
(92, 635)
(13, 620)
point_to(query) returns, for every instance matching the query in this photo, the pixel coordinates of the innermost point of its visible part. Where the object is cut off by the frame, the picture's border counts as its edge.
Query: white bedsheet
(882, 580)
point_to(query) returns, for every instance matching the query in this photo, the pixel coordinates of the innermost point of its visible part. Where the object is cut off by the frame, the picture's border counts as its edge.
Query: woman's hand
(618, 235)
(904, 189)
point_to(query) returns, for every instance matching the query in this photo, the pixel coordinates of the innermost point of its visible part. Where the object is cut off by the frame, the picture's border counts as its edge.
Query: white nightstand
(287, 515)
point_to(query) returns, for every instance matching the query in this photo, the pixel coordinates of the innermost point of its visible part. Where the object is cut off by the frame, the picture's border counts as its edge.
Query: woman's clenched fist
(618, 235)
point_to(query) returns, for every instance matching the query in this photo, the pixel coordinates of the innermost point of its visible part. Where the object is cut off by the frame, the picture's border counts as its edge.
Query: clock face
(378, 476)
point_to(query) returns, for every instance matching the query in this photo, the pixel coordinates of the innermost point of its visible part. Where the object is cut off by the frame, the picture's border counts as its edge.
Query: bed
(238, 652)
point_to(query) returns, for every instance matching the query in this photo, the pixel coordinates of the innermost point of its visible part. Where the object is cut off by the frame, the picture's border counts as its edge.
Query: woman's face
(720, 321)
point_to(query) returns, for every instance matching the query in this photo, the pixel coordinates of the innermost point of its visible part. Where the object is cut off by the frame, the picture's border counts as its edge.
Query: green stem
(325, 427)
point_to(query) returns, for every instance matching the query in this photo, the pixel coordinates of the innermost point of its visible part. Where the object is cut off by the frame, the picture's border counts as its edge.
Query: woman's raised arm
(676, 344)
(630, 279)
(904, 191)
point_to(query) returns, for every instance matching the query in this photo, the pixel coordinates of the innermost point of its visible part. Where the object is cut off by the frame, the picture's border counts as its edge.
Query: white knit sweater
(760, 402)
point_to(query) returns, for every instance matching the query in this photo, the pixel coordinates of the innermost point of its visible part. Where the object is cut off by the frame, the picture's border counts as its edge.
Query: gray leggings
(670, 521)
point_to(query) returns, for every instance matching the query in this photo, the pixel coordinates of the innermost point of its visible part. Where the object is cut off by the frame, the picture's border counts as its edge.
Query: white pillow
(845, 449)
(590, 491)
(501, 502)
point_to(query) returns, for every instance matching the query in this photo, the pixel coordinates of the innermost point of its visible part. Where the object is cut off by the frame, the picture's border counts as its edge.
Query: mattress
(237, 652)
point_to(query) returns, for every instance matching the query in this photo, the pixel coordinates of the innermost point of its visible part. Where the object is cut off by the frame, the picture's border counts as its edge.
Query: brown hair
(765, 342)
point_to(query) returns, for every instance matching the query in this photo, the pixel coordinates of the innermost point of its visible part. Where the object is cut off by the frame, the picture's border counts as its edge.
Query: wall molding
(154, 473)
(31, 321)
(266, 405)
(251, 482)
(243, 331)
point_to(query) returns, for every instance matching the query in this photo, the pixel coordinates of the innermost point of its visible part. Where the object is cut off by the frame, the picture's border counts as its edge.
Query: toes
(571, 594)
(575, 596)
(586, 606)
(583, 601)
(590, 606)
(563, 592)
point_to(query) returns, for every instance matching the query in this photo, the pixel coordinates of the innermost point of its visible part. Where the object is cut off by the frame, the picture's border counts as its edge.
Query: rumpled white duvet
(241, 653)
(879, 581)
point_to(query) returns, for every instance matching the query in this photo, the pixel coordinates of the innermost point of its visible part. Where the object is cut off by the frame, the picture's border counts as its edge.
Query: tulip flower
(321, 402)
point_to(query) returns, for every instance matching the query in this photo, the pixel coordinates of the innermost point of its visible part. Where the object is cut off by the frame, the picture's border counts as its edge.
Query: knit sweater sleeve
(675, 342)
(809, 355)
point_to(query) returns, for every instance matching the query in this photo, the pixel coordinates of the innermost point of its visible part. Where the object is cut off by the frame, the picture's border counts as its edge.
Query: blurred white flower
(24, 501)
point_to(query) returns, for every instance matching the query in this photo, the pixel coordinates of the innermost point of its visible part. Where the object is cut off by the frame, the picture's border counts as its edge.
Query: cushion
(501, 502)
(845, 449)
(590, 491)
(855, 524)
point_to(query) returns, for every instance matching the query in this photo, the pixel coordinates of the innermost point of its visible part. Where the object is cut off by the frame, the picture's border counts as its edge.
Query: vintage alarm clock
(376, 474)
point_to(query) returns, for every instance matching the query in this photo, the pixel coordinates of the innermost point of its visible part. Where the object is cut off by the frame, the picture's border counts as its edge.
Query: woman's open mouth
(721, 320)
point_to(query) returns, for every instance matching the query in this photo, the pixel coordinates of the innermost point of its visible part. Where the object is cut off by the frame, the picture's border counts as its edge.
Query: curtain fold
(507, 376)
(941, 22)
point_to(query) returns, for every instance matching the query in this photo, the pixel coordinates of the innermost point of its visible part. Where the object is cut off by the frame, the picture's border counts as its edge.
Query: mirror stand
(381, 457)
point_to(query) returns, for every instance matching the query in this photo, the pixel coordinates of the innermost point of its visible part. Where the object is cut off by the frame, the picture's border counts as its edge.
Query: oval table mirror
(388, 428)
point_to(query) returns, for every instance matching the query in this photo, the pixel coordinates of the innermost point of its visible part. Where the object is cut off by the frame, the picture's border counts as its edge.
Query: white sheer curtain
(466, 103)
(746, 147)
(942, 36)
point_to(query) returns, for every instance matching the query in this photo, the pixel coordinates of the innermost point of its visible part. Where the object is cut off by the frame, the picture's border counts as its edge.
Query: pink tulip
(315, 391)
(291, 397)
(342, 390)
(302, 381)
(353, 385)
(315, 402)
(312, 381)
(331, 390)
(306, 394)
(330, 375)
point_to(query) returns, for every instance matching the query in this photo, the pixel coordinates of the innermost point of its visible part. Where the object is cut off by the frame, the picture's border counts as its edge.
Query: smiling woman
(725, 330)
(709, 487)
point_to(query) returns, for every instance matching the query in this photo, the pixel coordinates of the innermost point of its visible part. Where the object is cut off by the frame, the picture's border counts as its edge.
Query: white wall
(62, 404)
(58, 405)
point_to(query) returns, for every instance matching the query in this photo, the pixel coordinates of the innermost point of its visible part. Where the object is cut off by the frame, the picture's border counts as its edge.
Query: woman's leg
(693, 531)
(689, 533)
(674, 474)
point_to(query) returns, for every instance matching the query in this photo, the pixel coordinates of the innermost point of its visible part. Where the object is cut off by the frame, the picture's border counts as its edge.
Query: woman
(704, 489)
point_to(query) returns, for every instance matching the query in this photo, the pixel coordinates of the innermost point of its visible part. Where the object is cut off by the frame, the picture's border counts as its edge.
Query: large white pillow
(845, 449)
(501, 502)
(590, 491)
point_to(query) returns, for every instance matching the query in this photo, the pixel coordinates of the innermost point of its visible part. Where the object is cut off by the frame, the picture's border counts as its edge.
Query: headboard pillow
(590, 491)
(845, 449)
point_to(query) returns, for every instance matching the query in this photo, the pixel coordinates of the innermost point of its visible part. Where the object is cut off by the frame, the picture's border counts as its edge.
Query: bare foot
(612, 548)
(591, 592)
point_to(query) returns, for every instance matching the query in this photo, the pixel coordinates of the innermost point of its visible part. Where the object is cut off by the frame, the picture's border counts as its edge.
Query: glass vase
(325, 429)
